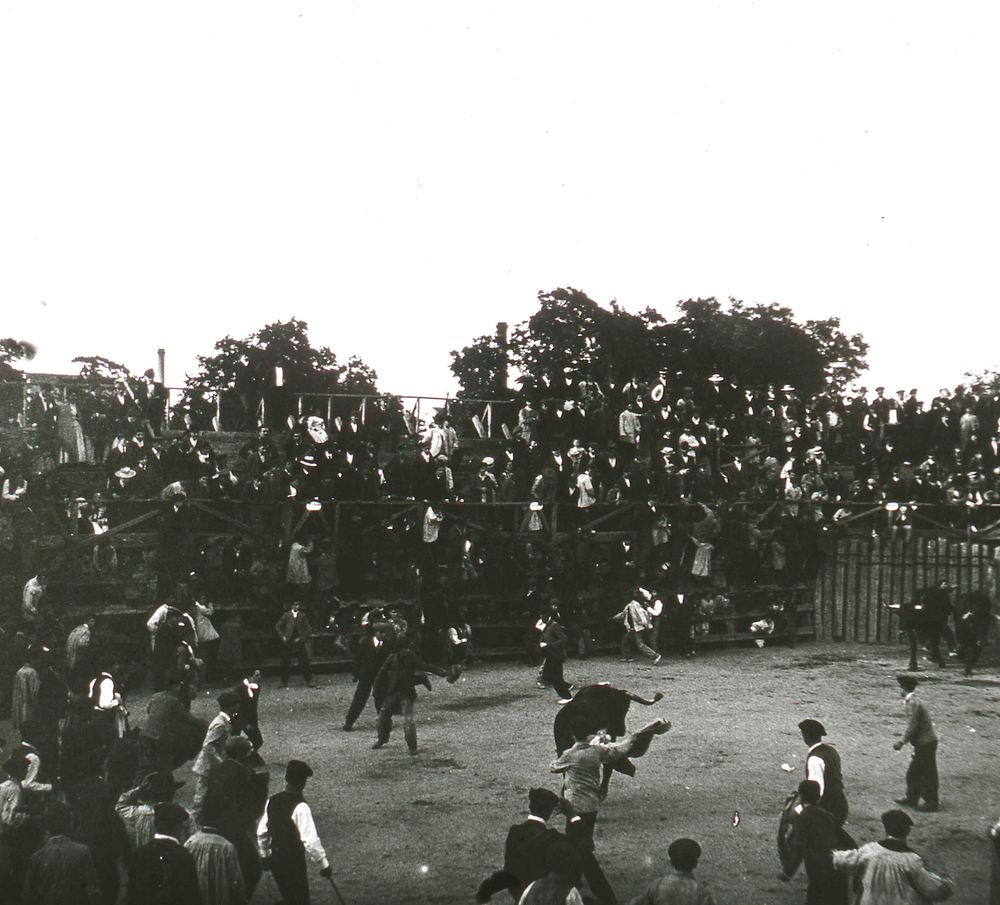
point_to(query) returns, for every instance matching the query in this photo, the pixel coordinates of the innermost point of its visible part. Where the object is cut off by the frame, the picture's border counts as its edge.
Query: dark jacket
(527, 848)
(525, 853)
(398, 675)
(61, 872)
(162, 872)
(554, 638)
(816, 836)
(293, 630)
(96, 824)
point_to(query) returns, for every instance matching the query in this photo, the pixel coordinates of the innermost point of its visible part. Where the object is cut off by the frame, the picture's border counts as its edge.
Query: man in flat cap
(680, 887)
(823, 767)
(526, 849)
(922, 774)
(286, 835)
(891, 872)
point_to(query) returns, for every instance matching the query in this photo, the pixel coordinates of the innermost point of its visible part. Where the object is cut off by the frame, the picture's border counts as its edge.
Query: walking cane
(337, 891)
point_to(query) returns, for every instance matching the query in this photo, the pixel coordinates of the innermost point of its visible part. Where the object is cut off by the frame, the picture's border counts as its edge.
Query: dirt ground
(428, 829)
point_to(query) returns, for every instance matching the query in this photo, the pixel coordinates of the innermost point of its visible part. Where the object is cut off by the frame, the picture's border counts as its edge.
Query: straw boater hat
(657, 392)
(716, 378)
(317, 430)
(125, 473)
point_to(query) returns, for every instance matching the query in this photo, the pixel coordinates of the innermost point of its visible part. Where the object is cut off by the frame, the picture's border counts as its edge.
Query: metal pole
(340, 898)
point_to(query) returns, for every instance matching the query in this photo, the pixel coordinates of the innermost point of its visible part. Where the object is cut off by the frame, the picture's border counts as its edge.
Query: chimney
(161, 358)
(502, 371)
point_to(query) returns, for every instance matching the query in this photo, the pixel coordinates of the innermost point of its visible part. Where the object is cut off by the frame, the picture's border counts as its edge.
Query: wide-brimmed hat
(657, 392)
(161, 785)
(125, 473)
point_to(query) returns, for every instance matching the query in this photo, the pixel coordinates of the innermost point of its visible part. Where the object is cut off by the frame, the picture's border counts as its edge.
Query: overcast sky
(404, 175)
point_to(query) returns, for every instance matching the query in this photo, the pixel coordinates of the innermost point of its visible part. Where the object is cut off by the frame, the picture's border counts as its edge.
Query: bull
(604, 709)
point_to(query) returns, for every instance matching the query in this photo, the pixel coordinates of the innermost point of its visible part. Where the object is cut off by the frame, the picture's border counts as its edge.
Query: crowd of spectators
(703, 490)
(667, 442)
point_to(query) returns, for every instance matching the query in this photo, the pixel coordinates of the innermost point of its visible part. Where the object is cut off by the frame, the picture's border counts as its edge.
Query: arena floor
(428, 829)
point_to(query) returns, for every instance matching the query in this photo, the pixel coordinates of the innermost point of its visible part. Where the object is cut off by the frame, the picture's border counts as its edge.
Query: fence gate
(866, 574)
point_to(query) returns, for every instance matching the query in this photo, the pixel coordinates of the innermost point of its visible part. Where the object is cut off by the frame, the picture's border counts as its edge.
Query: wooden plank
(850, 590)
(883, 629)
(822, 598)
(983, 567)
(860, 616)
(834, 597)
(873, 576)
(842, 591)
(904, 570)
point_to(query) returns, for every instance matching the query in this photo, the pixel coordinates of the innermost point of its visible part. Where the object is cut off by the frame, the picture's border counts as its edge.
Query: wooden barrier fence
(866, 574)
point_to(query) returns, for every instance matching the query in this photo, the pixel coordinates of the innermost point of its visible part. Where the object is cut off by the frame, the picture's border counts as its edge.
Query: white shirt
(158, 618)
(573, 897)
(303, 819)
(816, 768)
(107, 697)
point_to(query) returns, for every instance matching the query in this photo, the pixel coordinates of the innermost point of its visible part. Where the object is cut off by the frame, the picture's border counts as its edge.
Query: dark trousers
(405, 706)
(362, 692)
(911, 636)
(289, 872)
(968, 650)
(922, 774)
(298, 648)
(826, 886)
(552, 673)
(107, 877)
(581, 834)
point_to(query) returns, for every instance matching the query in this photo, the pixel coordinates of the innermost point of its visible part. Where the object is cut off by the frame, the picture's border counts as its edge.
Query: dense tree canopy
(251, 362)
(243, 372)
(11, 351)
(571, 338)
(96, 367)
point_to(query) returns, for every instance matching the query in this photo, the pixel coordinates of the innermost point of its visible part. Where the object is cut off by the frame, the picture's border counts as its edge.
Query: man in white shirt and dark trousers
(286, 835)
(823, 767)
(922, 774)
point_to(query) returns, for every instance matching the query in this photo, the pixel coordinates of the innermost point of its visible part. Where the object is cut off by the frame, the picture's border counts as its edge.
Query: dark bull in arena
(604, 708)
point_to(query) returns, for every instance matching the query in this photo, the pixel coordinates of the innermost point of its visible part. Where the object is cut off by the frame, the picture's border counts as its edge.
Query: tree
(244, 371)
(11, 391)
(96, 367)
(12, 350)
(480, 369)
(571, 338)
